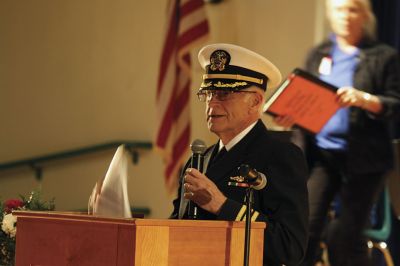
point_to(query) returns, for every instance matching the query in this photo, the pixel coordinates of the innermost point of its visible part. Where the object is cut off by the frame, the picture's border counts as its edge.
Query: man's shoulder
(279, 135)
(277, 142)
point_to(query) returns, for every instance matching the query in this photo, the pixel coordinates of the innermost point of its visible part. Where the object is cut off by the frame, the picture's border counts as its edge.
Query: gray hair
(370, 24)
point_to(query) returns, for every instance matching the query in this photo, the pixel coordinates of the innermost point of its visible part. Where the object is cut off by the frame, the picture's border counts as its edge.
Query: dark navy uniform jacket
(282, 204)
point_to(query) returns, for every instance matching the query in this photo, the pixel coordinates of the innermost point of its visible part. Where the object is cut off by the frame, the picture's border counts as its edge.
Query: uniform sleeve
(284, 208)
(177, 200)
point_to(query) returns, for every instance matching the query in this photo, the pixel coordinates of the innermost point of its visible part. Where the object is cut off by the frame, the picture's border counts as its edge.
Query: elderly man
(233, 89)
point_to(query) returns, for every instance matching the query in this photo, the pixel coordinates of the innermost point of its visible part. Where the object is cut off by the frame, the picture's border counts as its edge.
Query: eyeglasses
(220, 95)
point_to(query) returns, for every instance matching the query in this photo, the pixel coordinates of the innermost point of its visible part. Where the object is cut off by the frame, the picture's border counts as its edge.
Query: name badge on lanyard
(325, 67)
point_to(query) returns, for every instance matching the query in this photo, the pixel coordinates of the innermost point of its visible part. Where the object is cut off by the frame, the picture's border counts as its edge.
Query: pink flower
(12, 204)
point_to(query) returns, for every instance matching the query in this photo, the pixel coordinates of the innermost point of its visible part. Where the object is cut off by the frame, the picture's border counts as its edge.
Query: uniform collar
(236, 139)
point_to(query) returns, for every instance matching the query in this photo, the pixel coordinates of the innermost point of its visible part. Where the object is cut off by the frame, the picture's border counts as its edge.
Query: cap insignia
(219, 59)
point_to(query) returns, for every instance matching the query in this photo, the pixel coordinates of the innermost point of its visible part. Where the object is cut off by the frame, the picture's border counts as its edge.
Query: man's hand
(202, 191)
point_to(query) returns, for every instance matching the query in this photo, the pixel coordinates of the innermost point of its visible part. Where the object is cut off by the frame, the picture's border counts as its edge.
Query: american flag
(187, 25)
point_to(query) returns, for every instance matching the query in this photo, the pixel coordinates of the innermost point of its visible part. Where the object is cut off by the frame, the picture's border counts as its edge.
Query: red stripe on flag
(190, 6)
(173, 86)
(175, 108)
(185, 38)
(179, 148)
(169, 46)
(181, 101)
(166, 123)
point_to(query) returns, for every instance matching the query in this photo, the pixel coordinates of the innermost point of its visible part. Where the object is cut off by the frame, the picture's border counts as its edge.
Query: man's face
(347, 17)
(227, 116)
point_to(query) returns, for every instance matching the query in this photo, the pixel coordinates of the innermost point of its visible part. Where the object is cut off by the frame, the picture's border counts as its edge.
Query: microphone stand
(250, 179)
(192, 210)
(249, 202)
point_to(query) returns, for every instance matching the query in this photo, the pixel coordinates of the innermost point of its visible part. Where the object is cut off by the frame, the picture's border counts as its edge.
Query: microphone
(253, 178)
(198, 148)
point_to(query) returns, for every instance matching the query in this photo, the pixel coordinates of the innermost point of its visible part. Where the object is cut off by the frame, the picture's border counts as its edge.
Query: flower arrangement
(9, 221)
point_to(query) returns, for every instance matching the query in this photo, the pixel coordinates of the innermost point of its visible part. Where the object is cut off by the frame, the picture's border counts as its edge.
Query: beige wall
(75, 73)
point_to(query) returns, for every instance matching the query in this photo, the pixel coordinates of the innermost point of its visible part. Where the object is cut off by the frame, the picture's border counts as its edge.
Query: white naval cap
(231, 67)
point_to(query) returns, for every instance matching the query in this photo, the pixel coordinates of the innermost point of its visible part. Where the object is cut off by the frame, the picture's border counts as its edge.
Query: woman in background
(352, 154)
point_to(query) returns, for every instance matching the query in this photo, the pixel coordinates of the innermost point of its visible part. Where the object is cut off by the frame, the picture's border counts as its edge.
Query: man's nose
(212, 102)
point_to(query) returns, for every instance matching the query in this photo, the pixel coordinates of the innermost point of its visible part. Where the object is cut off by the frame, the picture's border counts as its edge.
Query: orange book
(310, 101)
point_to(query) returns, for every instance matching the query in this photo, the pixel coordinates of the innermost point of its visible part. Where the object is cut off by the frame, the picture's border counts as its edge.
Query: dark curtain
(388, 16)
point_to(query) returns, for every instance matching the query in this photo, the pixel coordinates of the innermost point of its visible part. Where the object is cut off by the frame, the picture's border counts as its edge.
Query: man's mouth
(213, 116)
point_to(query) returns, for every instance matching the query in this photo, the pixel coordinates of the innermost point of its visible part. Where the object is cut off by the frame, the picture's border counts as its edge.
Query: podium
(54, 238)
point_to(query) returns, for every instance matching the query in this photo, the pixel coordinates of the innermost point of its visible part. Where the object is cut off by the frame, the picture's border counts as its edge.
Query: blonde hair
(370, 25)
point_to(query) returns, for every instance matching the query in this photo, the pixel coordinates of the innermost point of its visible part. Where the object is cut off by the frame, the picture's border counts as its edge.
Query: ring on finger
(187, 187)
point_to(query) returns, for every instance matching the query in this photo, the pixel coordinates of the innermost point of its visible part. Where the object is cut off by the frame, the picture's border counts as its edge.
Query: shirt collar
(236, 139)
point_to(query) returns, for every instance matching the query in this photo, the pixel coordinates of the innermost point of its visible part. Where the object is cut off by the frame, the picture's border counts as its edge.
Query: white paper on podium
(110, 195)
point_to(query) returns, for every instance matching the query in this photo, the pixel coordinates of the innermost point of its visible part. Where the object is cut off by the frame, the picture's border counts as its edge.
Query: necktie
(219, 155)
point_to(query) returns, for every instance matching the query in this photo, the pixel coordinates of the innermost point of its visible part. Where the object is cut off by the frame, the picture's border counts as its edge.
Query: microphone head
(262, 182)
(256, 179)
(198, 146)
(244, 170)
(247, 172)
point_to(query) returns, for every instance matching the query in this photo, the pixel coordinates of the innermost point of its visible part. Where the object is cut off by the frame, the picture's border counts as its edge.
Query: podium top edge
(139, 221)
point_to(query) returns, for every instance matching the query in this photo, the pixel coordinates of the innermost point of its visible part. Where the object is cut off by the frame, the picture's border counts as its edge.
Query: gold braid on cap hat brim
(234, 77)
(224, 85)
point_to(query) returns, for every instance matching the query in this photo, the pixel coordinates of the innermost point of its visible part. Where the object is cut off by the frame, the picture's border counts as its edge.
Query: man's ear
(255, 103)
(257, 100)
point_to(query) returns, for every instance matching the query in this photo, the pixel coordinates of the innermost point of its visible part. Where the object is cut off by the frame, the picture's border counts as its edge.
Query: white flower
(8, 225)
